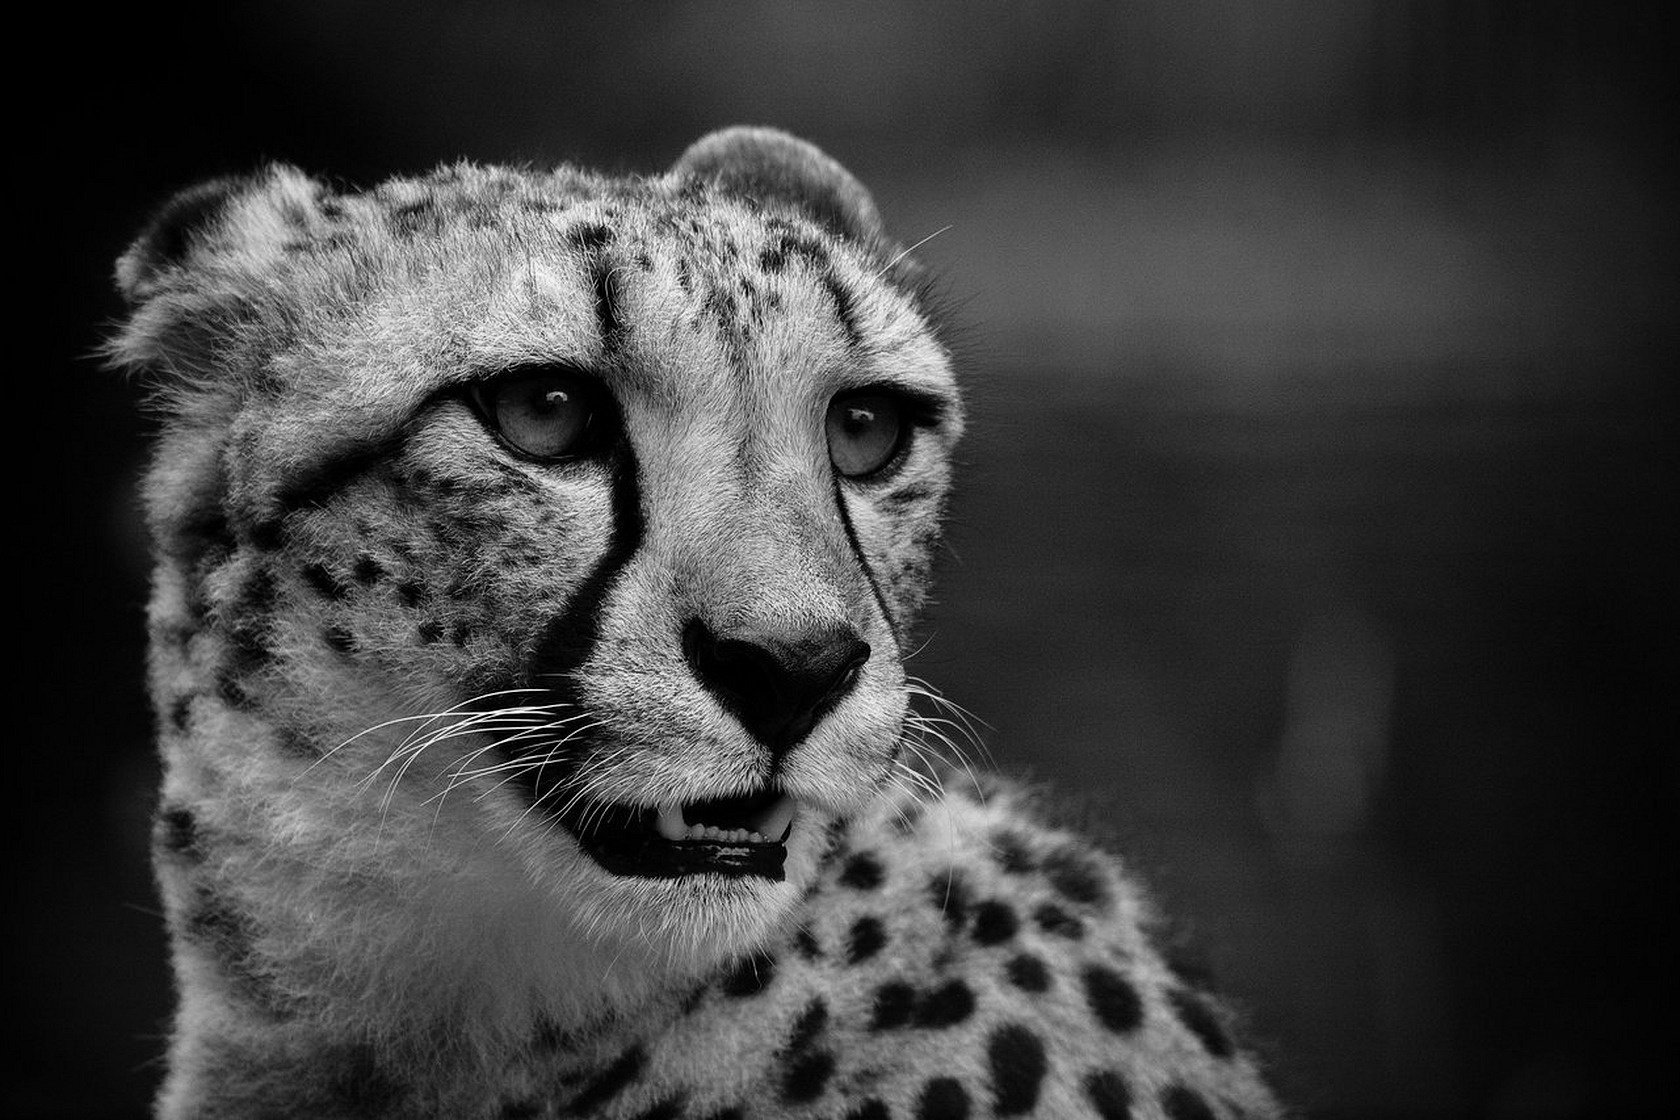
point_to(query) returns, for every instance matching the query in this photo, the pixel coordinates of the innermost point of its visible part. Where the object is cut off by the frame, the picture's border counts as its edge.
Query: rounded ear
(171, 233)
(205, 265)
(768, 165)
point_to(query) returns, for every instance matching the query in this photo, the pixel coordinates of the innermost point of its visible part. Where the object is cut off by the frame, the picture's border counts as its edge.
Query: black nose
(777, 683)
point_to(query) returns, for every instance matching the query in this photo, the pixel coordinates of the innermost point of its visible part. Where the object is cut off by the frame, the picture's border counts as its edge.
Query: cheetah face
(560, 533)
(728, 666)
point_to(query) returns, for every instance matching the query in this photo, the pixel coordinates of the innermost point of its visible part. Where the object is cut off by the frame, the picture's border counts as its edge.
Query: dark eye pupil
(864, 433)
(545, 414)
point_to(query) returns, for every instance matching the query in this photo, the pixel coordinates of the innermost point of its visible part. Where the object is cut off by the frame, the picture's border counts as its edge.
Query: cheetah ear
(169, 238)
(770, 165)
(245, 219)
(204, 265)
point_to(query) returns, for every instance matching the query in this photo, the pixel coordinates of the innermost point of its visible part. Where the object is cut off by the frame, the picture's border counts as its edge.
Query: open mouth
(735, 836)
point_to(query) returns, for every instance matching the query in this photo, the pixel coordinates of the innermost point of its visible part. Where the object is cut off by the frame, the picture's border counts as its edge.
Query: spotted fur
(402, 671)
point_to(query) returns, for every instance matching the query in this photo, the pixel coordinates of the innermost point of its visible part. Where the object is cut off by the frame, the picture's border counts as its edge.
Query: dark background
(1318, 527)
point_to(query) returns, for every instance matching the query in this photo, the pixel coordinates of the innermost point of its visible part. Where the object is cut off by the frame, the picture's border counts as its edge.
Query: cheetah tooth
(671, 825)
(776, 823)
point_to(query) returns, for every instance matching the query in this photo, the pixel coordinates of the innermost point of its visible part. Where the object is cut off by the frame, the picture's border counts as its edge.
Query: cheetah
(536, 557)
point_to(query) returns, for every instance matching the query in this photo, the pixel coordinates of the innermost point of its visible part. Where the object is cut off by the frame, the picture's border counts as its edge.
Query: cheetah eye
(543, 413)
(865, 431)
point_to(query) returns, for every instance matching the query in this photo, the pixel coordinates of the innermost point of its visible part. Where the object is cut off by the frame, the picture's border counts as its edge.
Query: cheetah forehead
(334, 315)
(472, 265)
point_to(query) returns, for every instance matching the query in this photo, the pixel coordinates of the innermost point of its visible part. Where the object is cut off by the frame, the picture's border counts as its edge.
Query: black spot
(946, 1005)
(1201, 1021)
(774, 257)
(871, 1109)
(520, 1110)
(410, 218)
(949, 893)
(905, 823)
(256, 597)
(807, 1075)
(908, 494)
(845, 307)
(179, 631)
(1053, 919)
(1011, 852)
(430, 630)
(994, 922)
(1018, 1066)
(668, 1109)
(317, 483)
(589, 237)
(324, 582)
(751, 976)
(203, 530)
(834, 844)
(340, 639)
(943, 1099)
(212, 920)
(1109, 1095)
(865, 940)
(216, 924)
(247, 627)
(611, 1081)
(894, 1002)
(1028, 973)
(806, 942)
(296, 744)
(643, 261)
(180, 712)
(1181, 1103)
(1112, 998)
(368, 571)
(810, 1023)
(1076, 877)
(232, 693)
(411, 593)
(863, 872)
(177, 830)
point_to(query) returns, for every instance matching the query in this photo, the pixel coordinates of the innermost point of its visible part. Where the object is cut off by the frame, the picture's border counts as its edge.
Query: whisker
(906, 252)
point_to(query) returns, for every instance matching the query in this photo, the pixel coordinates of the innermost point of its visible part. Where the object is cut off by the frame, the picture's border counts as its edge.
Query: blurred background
(1317, 533)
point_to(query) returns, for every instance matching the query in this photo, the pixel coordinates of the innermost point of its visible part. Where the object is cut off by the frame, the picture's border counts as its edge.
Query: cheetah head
(541, 536)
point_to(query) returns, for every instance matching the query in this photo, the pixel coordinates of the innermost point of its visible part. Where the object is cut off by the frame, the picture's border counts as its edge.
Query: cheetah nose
(778, 684)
